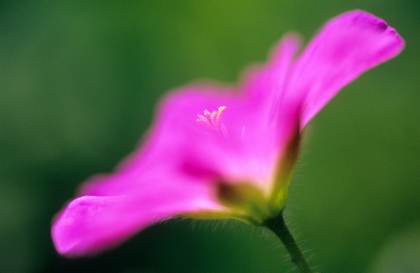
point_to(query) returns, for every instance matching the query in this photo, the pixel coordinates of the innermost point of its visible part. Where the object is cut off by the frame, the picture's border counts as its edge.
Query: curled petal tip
(369, 21)
(348, 45)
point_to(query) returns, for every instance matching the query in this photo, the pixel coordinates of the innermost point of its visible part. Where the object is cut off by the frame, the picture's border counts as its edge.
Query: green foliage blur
(79, 81)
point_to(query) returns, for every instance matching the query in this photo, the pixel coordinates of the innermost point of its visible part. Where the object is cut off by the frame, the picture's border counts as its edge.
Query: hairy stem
(278, 226)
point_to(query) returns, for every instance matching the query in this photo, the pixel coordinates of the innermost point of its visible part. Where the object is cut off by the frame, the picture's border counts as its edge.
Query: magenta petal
(91, 224)
(347, 46)
(265, 85)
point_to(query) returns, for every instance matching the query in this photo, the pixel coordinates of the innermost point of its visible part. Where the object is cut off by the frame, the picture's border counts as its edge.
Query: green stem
(278, 226)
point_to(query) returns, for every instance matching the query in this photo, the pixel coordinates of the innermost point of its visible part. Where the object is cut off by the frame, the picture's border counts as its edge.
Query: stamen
(213, 120)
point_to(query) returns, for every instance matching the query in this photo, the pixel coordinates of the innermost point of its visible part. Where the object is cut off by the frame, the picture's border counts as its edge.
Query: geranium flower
(225, 152)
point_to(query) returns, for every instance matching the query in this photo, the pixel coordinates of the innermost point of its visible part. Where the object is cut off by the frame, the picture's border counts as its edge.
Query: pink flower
(225, 152)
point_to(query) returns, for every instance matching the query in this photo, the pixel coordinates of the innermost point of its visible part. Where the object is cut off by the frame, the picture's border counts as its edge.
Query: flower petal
(265, 85)
(91, 224)
(347, 46)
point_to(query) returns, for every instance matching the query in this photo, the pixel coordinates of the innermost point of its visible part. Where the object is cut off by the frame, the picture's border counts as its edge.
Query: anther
(213, 120)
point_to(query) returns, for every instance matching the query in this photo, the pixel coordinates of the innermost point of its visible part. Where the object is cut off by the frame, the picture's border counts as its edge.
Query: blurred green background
(78, 84)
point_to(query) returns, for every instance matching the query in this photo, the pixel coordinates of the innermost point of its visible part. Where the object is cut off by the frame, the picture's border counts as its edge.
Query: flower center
(213, 120)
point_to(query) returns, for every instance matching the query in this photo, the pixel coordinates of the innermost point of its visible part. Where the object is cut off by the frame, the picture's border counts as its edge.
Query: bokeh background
(79, 81)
